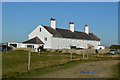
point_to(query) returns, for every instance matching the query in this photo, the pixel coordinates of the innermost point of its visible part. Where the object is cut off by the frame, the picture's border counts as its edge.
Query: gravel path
(97, 69)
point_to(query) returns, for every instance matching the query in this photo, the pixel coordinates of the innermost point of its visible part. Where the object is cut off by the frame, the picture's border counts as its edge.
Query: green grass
(40, 71)
(15, 63)
(116, 71)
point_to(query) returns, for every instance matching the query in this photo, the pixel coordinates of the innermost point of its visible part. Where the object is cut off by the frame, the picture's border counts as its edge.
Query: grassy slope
(15, 63)
(116, 71)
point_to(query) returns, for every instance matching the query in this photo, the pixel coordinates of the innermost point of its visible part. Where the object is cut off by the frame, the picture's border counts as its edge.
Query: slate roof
(64, 33)
(34, 40)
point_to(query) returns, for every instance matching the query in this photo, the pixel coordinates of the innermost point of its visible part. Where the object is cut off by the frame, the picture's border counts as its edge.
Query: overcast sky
(19, 19)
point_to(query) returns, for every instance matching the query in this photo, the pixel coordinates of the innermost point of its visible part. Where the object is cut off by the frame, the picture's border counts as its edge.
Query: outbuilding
(101, 47)
(34, 43)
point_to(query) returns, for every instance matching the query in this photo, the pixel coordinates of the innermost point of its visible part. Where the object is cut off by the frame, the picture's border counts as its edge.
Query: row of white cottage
(57, 38)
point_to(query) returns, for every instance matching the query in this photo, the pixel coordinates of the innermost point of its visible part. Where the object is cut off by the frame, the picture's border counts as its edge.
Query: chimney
(86, 29)
(53, 23)
(71, 25)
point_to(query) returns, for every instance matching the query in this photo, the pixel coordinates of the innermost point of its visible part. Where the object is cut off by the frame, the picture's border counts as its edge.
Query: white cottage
(57, 38)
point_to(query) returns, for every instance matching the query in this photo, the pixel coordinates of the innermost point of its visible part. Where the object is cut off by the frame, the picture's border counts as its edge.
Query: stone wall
(90, 51)
(74, 51)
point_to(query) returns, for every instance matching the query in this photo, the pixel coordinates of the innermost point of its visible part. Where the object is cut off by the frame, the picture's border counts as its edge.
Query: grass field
(14, 63)
(116, 70)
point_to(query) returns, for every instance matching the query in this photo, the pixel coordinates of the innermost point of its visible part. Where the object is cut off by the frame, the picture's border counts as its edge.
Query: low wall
(26, 49)
(74, 51)
(89, 51)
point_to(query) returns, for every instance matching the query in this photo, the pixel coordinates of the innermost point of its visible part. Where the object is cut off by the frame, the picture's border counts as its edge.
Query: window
(40, 29)
(30, 46)
(14, 45)
(45, 38)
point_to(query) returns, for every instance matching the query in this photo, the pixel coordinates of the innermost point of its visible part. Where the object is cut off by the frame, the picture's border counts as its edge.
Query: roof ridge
(62, 29)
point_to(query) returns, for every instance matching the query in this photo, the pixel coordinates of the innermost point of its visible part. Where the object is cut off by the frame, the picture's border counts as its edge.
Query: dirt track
(100, 69)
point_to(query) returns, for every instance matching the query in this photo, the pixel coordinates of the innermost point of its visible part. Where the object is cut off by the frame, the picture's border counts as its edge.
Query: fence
(89, 51)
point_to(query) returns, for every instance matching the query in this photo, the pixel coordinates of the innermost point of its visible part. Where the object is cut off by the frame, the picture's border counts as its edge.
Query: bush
(115, 47)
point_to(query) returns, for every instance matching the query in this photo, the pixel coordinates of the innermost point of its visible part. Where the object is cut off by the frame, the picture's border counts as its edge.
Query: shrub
(115, 47)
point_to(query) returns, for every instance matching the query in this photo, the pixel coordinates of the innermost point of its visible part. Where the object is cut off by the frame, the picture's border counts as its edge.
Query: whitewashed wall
(21, 45)
(24, 45)
(100, 47)
(35, 46)
(62, 43)
(41, 35)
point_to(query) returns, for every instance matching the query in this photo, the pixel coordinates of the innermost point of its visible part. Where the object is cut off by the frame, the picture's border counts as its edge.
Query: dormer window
(40, 29)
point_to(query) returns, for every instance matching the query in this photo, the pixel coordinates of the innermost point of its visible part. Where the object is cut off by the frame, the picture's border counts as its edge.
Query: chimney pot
(53, 19)
(71, 22)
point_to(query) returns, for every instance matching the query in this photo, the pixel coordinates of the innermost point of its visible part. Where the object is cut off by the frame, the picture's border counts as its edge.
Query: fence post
(29, 56)
(71, 56)
(83, 55)
(87, 54)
